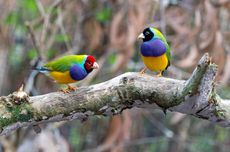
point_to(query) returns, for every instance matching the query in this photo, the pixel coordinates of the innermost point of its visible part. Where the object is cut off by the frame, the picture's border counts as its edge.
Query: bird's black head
(148, 34)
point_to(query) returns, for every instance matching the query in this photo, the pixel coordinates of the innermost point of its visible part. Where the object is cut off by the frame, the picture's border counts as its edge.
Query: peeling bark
(196, 97)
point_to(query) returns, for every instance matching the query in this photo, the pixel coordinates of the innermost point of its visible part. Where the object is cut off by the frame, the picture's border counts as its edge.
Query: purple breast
(77, 72)
(153, 48)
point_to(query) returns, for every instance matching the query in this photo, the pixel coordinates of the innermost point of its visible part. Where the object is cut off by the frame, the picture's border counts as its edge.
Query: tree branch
(196, 97)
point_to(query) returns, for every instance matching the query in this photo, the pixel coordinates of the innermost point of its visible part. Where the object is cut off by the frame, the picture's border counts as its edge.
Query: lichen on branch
(196, 97)
(15, 108)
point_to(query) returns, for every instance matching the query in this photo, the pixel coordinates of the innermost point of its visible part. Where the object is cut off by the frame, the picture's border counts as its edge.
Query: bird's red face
(90, 64)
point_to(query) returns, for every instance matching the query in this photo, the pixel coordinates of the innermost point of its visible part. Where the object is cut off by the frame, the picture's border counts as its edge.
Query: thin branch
(162, 14)
(34, 40)
(62, 28)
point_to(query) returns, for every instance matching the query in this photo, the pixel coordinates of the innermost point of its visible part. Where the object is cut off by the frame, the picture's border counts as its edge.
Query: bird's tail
(42, 70)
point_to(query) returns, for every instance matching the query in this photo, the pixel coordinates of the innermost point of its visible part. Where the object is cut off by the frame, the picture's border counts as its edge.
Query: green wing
(159, 35)
(64, 63)
(168, 54)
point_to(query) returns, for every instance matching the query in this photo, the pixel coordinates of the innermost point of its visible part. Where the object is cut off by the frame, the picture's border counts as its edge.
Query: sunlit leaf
(29, 5)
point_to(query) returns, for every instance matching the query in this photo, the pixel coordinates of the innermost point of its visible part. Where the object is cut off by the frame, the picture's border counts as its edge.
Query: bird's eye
(147, 33)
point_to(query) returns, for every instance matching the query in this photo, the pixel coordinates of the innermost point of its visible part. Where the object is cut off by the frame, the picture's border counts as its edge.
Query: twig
(63, 31)
(162, 13)
(34, 40)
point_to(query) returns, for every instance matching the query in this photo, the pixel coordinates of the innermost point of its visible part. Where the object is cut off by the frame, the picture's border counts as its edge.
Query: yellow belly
(62, 77)
(156, 63)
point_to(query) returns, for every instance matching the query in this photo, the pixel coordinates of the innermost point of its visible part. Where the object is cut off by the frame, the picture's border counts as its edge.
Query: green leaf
(11, 18)
(50, 53)
(104, 14)
(32, 53)
(62, 38)
(75, 138)
(112, 58)
(221, 134)
(29, 5)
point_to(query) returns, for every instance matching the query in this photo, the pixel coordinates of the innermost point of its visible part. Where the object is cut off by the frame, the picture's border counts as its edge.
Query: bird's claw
(159, 74)
(69, 89)
(72, 88)
(143, 71)
(65, 91)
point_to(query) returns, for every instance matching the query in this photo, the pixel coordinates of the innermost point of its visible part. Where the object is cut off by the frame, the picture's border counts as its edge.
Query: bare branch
(33, 38)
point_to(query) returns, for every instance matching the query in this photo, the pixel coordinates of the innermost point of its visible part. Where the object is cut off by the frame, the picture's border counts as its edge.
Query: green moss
(219, 113)
(4, 122)
(21, 113)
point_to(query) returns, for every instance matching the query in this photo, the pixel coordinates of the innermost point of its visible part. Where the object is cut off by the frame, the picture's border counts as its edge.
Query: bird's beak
(95, 65)
(141, 36)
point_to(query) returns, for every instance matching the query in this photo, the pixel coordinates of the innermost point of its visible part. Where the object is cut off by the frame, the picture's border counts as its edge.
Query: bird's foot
(143, 71)
(71, 88)
(159, 74)
(65, 90)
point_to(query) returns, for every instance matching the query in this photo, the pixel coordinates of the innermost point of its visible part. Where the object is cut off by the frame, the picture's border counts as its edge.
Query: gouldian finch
(155, 51)
(69, 69)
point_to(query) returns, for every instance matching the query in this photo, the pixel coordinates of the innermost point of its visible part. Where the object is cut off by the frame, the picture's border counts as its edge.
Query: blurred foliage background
(35, 31)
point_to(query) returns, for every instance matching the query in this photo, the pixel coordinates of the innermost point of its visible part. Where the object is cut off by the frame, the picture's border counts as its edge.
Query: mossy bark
(11, 112)
(195, 96)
